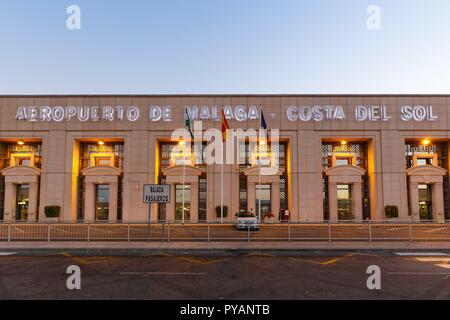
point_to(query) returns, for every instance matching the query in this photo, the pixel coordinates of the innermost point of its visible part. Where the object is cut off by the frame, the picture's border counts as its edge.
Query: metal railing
(215, 232)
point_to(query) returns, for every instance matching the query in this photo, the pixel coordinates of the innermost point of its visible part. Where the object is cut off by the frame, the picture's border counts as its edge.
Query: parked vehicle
(246, 221)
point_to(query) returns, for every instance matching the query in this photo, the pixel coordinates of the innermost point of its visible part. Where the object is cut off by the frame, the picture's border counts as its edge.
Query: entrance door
(102, 202)
(183, 203)
(22, 201)
(263, 197)
(344, 198)
(425, 203)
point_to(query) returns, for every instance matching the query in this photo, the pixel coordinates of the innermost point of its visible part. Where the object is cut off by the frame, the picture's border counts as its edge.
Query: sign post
(155, 193)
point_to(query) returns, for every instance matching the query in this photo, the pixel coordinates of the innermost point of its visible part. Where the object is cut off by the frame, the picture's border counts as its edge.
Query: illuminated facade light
(426, 142)
(344, 143)
(101, 143)
(20, 143)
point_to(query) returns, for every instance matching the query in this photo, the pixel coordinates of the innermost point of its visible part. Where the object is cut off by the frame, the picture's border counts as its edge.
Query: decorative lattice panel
(245, 152)
(86, 150)
(6, 151)
(166, 149)
(359, 150)
(441, 150)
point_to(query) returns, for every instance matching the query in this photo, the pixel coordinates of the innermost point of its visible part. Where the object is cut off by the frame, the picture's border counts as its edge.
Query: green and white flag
(188, 125)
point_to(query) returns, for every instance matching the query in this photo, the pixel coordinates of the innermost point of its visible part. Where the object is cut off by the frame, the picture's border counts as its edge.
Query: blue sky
(224, 46)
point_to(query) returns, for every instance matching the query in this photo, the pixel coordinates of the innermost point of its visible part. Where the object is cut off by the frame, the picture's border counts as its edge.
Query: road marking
(334, 260)
(4, 254)
(258, 254)
(93, 260)
(187, 259)
(419, 273)
(433, 259)
(163, 273)
(421, 254)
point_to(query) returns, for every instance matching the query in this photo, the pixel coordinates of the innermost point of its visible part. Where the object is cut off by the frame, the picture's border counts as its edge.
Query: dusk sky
(227, 46)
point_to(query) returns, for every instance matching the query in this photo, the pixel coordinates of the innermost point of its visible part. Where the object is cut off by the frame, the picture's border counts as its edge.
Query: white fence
(209, 232)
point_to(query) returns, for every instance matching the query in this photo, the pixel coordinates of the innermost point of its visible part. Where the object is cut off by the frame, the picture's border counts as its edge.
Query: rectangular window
(343, 161)
(424, 161)
(103, 161)
(102, 202)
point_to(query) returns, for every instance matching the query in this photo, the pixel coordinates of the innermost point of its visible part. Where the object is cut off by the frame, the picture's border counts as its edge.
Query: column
(89, 204)
(275, 199)
(414, 200)
(170, 207)
(357, 201)
(438, 202)
(10, 199)
(32, 205)
(332, 201)
(251, 196)
(194, 202)
(113, 201)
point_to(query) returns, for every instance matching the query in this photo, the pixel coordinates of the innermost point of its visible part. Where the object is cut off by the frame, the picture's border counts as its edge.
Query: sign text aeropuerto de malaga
(213, 113)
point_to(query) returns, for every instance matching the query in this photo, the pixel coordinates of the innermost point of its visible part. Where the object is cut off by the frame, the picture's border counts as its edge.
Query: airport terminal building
(336, 158)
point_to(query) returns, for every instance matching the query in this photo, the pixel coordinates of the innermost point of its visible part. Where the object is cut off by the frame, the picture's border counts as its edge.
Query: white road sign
(156, 193)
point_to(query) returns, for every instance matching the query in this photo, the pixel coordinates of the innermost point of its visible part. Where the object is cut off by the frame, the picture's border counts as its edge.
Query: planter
(52, 220)
(269, 219)
(52, 213)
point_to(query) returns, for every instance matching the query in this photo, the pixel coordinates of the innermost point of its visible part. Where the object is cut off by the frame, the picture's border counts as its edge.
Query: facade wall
(386, 140)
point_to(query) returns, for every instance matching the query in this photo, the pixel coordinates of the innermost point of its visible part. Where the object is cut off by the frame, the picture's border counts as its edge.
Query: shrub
(219, 211)
(391, 211)
(52, 211)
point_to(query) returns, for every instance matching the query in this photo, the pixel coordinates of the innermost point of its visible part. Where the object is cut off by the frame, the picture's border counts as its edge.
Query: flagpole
(259, 169)
(184, 180)
(221, 194)
(221, 177)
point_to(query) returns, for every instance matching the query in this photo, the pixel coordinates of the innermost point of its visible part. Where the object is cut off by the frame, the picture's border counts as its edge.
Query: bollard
(289, 231)
(410, 233)
(9, 233)
(168, 231)
(329, 232)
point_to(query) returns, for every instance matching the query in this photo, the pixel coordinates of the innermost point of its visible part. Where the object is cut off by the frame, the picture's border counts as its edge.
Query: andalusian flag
(188, 125)
(225, 127)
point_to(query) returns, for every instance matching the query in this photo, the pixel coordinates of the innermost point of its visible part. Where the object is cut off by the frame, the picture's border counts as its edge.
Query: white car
(246, 221)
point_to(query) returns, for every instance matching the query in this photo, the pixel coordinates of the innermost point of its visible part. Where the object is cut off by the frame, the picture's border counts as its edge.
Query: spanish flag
(225, 127)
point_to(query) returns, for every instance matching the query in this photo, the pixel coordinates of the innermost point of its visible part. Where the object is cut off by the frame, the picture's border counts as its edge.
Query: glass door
(183, 203)
(22, 201)
(263, 198)
(102, 202)
(344, 199)
(425, 203)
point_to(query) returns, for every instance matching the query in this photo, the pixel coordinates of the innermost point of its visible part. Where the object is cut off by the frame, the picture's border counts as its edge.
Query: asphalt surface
(227, 275)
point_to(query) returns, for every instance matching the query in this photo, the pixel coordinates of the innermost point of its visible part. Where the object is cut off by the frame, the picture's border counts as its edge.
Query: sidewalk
(219, 246)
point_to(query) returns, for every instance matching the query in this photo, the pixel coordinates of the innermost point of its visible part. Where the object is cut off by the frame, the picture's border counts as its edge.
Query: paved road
(312, 275)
